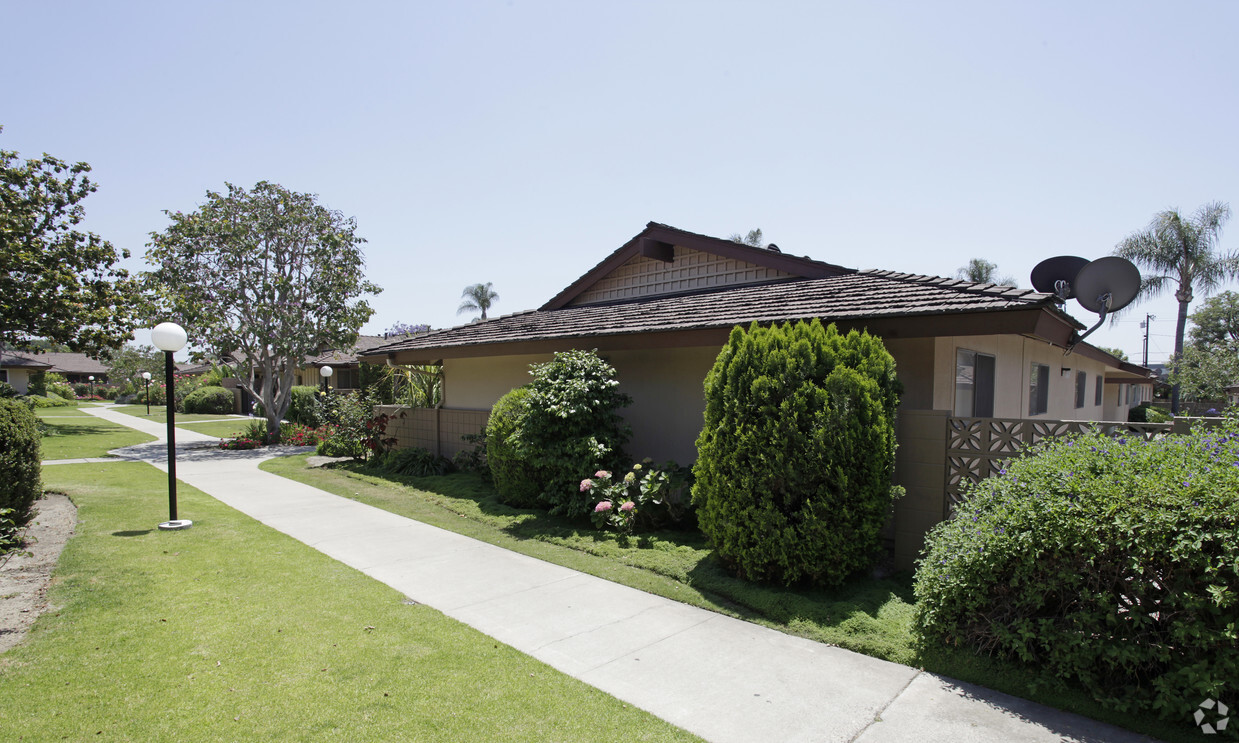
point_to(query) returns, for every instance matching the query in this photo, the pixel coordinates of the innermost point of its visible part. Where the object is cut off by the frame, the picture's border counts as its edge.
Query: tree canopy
(982, 271)
(126, 364)
(753, 238)
(477, 298)
(1216, 322)
(58, 283)
(1181, 252)
(267, 276)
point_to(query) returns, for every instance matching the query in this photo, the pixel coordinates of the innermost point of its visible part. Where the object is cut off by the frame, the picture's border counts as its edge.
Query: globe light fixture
(92, 384)
(170, 338)
(326, 371)
(146, 378)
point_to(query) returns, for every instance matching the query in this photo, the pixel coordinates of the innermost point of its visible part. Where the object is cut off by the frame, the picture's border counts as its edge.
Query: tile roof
(71, 363)
(364, 343)
(12, 360)
(864, 294)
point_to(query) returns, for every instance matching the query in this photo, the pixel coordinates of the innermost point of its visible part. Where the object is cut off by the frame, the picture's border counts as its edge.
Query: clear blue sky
(520, 142)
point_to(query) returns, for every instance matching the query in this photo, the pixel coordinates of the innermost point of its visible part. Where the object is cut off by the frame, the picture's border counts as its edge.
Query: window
(1039, 389)
(1122, 394)
(1081, 388)
(1098, 396)
(346, 379)
(974, 384)
(4, 375)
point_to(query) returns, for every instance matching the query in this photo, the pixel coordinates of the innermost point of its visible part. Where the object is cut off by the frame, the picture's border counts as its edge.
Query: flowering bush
(239, 444)
(1110, 561)
(657, 496)
(295, 434)
(354, 430)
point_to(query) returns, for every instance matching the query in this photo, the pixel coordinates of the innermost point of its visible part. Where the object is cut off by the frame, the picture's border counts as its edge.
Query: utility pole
(1148, 321)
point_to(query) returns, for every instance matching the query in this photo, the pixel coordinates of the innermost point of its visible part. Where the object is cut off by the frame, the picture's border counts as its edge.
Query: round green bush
(19, 459)
(1113, 562)
(517, 478)
(211, 400)
(1148, 413)
(794, 462)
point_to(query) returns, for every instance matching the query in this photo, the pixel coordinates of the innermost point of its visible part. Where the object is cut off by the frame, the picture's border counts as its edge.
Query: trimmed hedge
(1148, 413)
(19, 459)
(794, 462)
(1113, 562)
(214, 400)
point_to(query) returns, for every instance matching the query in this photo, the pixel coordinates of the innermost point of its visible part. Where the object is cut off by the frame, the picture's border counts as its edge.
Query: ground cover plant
(183, 636)
(72, 434)
(869, 615)
(797, 452)
(1112, 562)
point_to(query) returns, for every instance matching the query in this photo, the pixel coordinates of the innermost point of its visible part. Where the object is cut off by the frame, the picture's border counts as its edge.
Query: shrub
(1110, 561)
(516, 476)
(81, 389)
(11, 538)
(303, 408)
(473, 459)
(50, 401)
(255, 430)
(240, 443)
(571, 424)
(793, 475)
(19, 459)
(214, 400)
(55, 384)
(7, 391)
(413, 462)
(109, 393)
(295, 434)
(1147, 413)
(650, 497)
(37, 384)
(355, 431)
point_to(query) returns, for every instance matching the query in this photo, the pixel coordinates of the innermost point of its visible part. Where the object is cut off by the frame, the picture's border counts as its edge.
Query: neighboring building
(1232, 394)
(74, 367)
(661, 306)
(345, 368)
(17, 368)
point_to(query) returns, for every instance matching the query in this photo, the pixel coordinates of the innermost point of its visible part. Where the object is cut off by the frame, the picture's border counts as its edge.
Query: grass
(223, 429)
(233, 631)
(867, 615)
(82, 435)
(158, 413)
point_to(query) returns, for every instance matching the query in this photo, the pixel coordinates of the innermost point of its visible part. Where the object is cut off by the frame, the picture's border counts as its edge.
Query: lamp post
(92, 384)
(326, 371)
(170, 338)
(146, 378)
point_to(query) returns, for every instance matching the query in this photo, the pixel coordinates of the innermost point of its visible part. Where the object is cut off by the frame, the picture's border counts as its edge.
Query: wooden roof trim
(661, 233)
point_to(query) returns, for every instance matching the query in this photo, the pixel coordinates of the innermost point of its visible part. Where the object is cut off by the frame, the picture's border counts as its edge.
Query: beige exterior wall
(476, 383)
(691, 270)
(1121, 397)
(1013, 360)
(914, 365)
(20, 379)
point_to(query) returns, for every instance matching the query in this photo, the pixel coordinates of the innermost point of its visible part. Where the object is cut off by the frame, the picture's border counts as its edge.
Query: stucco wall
(1014, 356)
(475, 384)
(20, 379)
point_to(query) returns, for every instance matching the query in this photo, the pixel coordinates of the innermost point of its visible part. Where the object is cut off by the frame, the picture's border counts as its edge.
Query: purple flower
(628, 506)
(602, 507)
(586, 484)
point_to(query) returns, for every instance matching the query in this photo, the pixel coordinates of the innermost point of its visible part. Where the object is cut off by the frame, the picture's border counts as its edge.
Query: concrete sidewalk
(718, 677)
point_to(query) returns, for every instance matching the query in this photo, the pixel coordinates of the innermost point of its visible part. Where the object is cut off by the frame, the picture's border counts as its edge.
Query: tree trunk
(1180, 328)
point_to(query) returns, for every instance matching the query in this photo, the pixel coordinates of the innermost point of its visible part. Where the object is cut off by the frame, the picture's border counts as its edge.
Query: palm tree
(1175, 249)
(982, 271)
(478, 297)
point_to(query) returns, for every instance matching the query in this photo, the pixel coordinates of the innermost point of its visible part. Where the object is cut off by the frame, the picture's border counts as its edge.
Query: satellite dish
(1107, 284)
(1058, 275)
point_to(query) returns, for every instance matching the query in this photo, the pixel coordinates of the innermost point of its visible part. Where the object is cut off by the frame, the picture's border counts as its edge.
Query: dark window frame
(984, 365)
(1039, 389)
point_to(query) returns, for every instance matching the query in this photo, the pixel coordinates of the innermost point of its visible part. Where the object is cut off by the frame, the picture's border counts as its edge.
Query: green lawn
(223, 429)
(75, 435)
(867, 615)
(158, 414)
(233, 631)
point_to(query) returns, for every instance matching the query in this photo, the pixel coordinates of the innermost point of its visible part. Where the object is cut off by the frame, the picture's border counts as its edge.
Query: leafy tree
(1117, 353)
(402, 328)
(58, 283)
(267, 276)
(478, 298)
(1181, 251)
(754, 238)
(126, 364)
(1204, 372)
(1216, 322)
(982, 271)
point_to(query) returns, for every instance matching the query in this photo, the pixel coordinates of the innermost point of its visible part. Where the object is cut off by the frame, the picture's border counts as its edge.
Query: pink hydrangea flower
(602, 473)
(602, 506)
(628, 506)
(586, 484)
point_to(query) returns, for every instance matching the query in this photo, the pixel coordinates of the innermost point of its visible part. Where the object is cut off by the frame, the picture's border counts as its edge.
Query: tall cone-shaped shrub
(794, 462)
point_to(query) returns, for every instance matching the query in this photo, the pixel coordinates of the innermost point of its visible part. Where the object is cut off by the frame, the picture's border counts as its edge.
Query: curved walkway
(721, 678)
